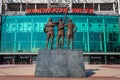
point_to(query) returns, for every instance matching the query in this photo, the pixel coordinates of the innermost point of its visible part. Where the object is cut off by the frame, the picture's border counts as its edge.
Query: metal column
(48, 3)
(119, 7)
(98, 7)
(35, 6)
(16, 23)
(114, 8)
(88, 39)
(105, 59)
(20, 7)
(0, 22)
(104, 35)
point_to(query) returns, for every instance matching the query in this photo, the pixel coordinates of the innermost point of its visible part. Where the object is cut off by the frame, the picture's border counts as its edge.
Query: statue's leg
(57, 41)
(51, 41)
(71, 43)
(62, 42)
(47, 41)
(68, 44)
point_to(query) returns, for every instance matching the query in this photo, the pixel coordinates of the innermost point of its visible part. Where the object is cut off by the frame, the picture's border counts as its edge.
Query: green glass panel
(96, 33)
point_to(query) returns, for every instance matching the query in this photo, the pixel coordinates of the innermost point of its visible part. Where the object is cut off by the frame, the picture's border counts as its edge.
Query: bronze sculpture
(70, 33)
(50, 32)
(60, 33)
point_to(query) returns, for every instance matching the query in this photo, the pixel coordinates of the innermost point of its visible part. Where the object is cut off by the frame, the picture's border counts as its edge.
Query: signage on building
(60, 10)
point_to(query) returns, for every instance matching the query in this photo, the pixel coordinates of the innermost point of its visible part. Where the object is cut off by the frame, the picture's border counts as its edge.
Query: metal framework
(62, 3)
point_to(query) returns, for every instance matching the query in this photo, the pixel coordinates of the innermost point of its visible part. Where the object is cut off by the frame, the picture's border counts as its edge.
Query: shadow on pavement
(90, 72)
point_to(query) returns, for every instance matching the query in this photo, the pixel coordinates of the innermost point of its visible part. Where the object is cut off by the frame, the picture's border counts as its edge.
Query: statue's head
(60, 19)
(50, 19)
(70, 20)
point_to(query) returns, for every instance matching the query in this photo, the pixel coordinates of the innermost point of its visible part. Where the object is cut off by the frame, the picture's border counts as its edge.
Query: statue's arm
(65, 25)
(65, 18)
(55, 23)
(61, 28)
(45, 28)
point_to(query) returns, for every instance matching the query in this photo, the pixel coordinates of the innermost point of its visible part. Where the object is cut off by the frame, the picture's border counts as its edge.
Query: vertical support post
(119, 7)
(89, 59)
(119, 20)
(104, 28)
(48, 3)
(88, 39)
(98, 7)
(31, 40)
(5, 8)
(119, 11)
(93, 5)
(84, 41)
(100, 37)
(20, 7)
(114, 8)
(1, 2)
(19, 44)
(35, 6)
(84, 7)
(15, 41)
(0, 22)
(16, 23)
(105, 59)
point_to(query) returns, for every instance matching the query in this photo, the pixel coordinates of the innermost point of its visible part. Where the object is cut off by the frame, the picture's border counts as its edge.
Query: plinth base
(60, 63)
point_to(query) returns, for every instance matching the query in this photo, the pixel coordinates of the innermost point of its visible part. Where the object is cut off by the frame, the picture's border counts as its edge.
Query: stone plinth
(60, 63)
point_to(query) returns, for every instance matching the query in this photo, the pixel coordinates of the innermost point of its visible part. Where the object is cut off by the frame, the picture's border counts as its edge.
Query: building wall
(19, 8)
(96, 33)
(64, 1)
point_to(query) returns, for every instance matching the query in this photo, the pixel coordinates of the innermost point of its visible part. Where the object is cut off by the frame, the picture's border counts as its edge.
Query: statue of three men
(50, 32)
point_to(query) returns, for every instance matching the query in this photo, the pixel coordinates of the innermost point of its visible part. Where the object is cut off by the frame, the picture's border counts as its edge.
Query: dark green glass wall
(95, 33)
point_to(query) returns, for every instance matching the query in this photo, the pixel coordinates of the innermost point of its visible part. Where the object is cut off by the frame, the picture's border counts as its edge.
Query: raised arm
(65, 18)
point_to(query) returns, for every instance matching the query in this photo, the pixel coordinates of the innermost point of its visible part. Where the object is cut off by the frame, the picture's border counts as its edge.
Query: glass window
(23, 36)
(94, 34)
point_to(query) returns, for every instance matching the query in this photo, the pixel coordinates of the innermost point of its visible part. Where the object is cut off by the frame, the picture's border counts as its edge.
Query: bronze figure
(50, 32)
(70, 33)
(60, 33)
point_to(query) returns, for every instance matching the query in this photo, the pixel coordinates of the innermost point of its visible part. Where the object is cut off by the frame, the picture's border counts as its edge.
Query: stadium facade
(22, 24)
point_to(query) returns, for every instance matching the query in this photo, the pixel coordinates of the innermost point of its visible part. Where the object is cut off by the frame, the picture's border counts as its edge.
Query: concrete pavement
(93, 72)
